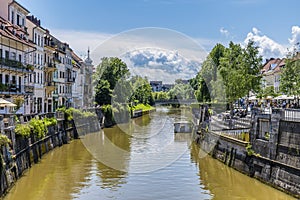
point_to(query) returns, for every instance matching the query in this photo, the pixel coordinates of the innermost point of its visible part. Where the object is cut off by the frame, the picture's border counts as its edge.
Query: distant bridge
(175, 101)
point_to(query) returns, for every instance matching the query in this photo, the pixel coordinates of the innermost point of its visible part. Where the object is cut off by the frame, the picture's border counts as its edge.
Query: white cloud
(295, 35)
(160, 64)
(267, 47)
(224, 31)
(79, 41)
(104, 44)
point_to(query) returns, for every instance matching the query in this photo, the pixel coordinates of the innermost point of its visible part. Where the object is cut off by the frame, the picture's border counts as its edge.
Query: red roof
(271, 64)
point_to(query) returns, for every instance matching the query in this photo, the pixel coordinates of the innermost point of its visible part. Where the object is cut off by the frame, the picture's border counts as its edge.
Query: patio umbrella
(4, 103)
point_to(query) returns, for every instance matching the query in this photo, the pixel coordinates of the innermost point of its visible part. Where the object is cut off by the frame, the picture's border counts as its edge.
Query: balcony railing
(4, 62)
(28, 89)
(70, 79)
(15, 89)
(49, 83)
(50, 65)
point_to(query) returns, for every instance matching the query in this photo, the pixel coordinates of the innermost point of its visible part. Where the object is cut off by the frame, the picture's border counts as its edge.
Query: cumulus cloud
(160, 64)
(295, 35)
(267, 47)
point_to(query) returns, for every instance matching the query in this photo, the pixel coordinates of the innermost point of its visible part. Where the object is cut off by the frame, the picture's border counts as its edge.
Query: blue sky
(268, 22)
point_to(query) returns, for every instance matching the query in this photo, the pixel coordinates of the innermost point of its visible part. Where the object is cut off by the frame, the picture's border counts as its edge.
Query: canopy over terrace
(284, 97)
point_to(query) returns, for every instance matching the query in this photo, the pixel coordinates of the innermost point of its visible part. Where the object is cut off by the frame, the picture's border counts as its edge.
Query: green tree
(290, 77)
(108, 73)
(142, 91)
(206, 82)
(239, 68)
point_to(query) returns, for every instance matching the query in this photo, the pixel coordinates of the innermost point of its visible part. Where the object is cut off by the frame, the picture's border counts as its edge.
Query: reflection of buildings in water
(62, 172)
(111, 178)
(111, 148)
(226, 183)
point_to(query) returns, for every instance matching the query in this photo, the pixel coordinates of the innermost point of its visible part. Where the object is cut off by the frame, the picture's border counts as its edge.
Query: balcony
(50, 86)
(50, 67)
(13, 65)
(28, 89)
(70, 79)
(14, 89)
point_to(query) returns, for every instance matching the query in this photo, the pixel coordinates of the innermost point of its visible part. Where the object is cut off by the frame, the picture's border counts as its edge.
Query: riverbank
(269, 153)
(25, 151)
(72, 172)
(29, 151)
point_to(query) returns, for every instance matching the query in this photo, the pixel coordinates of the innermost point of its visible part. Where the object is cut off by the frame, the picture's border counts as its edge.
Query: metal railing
(291, 114)
(5, 62)
(15, 89)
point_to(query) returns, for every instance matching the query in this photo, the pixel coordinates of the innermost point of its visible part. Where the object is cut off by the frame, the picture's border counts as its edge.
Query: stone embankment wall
(274, 154)
(27, 151)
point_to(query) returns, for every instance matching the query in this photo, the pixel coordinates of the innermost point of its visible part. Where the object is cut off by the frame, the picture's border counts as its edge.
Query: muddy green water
(152, 163)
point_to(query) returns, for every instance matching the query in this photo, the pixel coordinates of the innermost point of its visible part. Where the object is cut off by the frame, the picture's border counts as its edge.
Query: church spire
(88, 60)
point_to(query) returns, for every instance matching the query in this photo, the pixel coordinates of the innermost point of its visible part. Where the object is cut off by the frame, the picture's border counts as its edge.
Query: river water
(142, 160)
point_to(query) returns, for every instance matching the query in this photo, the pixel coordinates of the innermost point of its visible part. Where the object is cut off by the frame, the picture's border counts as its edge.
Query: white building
(15, 53)
(36, 35)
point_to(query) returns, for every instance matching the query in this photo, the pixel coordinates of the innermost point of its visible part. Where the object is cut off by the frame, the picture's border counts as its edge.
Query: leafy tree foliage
(108, 73)
(233, 71)
(142, 91)
(290, 77)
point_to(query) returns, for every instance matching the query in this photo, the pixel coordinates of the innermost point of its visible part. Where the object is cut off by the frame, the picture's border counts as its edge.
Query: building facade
(16, 50)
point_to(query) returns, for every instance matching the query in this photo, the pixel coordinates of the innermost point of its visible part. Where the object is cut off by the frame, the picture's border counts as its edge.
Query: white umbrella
(4, 103)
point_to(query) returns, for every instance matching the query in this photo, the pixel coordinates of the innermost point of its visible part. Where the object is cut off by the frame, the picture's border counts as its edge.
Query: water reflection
(64, 171)
(148, 143)
(226, 183)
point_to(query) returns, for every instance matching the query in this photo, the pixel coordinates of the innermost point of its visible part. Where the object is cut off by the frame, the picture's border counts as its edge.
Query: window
(0, 78)
(34, 58)
(39, 38)
(1, 53)
(41, 78)
(13, 55)
(18, 20)
(12, 17)
(34, 38)
(20, 58)
(38, 77)
(23, 22)
(30, 78)
(13, 81)
(6, 78)
(7, 54)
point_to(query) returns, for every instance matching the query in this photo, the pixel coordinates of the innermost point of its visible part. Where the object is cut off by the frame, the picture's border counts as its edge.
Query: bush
(23, 130)
(4, 140)
(50, 121)
(38, 127)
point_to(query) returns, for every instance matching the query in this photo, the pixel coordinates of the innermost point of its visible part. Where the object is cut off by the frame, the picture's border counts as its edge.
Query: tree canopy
(233, 71)
(114, 86)
(290, 77)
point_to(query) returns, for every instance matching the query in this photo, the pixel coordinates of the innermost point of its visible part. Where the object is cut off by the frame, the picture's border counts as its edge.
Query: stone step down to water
(183, 127)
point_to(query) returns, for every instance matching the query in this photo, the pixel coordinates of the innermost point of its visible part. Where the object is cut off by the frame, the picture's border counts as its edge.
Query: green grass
(142, 107)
